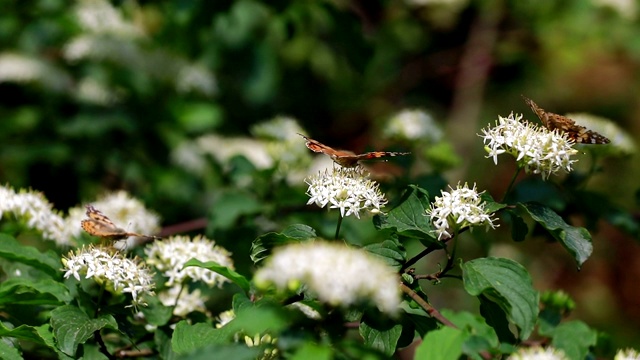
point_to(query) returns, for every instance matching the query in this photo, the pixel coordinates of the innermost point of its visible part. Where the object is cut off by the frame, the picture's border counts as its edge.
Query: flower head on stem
(536, 149)
(461, 207)
(336, 274)
(109, 268)
(538, 353)
(347, 189)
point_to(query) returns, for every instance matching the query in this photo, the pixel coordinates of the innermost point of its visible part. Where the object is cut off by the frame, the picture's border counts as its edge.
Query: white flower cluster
(414, 125)
(536, 149)
(270, 352)
(32, 207)
(347, 189)
(458, 209)
(538, 353)
(336, 274)
(184, 301)
(125, 211)
(23, 68)
(627, 354)
(170, 255)
(283, 144)
(110, 36)
(116, 273)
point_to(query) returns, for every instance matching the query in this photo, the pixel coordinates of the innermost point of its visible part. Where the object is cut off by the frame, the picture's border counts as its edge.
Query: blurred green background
(98, 96)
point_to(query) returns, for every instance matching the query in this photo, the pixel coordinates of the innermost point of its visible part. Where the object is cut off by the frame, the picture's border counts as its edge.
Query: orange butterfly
(98, 224)
(346, 158)
(575, 132)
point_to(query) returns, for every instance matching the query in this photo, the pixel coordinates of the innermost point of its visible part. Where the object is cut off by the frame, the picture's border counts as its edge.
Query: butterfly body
(576, 133)
(98, 224)
(346, 158)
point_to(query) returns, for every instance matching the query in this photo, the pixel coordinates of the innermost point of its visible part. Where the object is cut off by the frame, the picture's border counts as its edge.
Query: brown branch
(433, 312)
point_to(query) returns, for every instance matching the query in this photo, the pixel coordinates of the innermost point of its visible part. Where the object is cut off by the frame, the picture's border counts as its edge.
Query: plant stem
(338, 226)
(513, 180)
(433, 312)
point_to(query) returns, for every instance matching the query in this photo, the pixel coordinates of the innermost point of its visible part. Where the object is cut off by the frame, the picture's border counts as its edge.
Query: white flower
(458, 209)
(170, 255)
(196, 78)
(538, 353)
(99, 16)
(347, 189)
(536, 149)
(224, 148)
(336, 274)
(414, 125)
(282, 143)
(116, 273)
(186, 303)
(93, 91)
(307, 310)
(36, 211)
(224, 318)
(21, 68)
(627, 354)
(125, 211)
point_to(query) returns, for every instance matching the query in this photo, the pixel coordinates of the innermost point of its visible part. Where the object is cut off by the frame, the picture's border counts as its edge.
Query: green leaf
(410, 217)
(496, 318)
(240, 302)
(187, 338)
(14, 251)
(519, 228)
(46, 334)
(162, 340)
(22, 332)
(380, 335)
(198, 117)
(300, 232)
(259, 319)
(33, 292)
(222, 270)
(576, 240)
(574, 338)
(311, 351)
(72, 327)
(156, 313)
(390, 251)
(264, 244)
(442, 344)
(231, 205)
(9, 352)
(491, 206)
(476, 323)
(506, 283)
(228, 351)
(419, 317)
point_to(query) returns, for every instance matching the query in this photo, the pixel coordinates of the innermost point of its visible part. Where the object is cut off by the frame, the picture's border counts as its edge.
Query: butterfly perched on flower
(346, 158)
(576, 133)
(98, 224)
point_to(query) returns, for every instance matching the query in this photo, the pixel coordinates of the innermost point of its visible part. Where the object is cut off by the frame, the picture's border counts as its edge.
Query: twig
(433, 312)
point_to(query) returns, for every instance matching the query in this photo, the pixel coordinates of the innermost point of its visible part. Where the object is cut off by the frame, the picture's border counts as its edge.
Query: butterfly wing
(341, 157)
(576, 133)
(378, 154)
(98, 224)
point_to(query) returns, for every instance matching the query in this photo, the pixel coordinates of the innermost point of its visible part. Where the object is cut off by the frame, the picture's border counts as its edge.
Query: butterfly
(346, 158)
(575, 132)
(98, 224)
